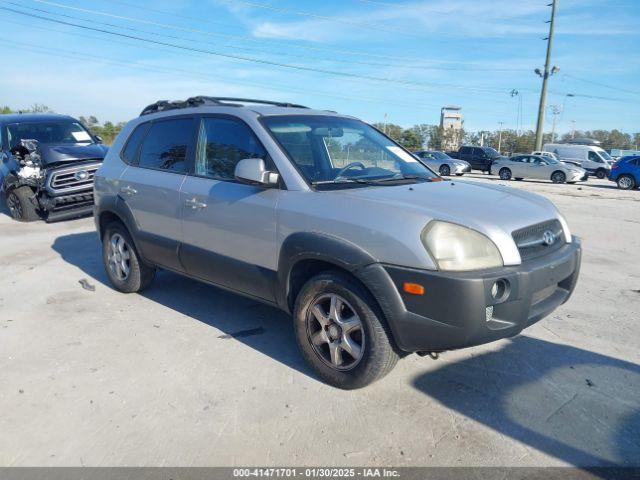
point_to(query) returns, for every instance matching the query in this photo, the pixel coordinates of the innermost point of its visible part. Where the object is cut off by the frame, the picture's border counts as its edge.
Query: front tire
(126, 271)
(445, 171)
(342, 333)
(505, 174)
(626, 182)
(600, 173)
(558, 177)
(20, 205)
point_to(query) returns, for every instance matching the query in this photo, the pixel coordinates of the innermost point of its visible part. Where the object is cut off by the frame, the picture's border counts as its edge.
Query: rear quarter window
(129, 153)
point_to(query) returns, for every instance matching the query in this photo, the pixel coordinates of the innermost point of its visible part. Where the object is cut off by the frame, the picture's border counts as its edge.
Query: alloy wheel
(335, 332)
(119, 257)
(14, 205)
(625, 183)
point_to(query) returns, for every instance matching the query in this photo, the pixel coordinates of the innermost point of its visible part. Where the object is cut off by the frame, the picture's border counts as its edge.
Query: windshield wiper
(399, 178)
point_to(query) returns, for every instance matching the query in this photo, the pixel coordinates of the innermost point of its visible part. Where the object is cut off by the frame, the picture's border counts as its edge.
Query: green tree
(411, 140)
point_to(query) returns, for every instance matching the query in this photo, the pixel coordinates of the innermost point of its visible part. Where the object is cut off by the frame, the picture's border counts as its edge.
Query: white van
(593, 159)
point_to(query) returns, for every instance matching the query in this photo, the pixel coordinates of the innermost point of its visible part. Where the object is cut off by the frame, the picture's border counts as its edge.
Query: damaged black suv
(47, 163)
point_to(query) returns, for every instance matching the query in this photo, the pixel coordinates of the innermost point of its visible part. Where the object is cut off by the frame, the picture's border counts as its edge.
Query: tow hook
(433, 355)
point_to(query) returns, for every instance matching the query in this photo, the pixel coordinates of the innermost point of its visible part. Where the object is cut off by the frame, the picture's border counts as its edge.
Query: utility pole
(545, 77)
(500, 137)
(573, 129)
(385, 124)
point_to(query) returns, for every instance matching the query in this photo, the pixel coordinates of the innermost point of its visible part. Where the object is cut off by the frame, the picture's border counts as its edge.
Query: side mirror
(544, 163)
(254, 172)
(99, 138)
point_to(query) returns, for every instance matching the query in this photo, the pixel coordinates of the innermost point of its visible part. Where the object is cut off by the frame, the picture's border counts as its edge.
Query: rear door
(150, 188)
(229, 228)
(480, 158)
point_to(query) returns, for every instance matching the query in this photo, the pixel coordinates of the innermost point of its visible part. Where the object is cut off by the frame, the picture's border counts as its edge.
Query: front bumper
(577, 176)
(460, 168)
(457, 309)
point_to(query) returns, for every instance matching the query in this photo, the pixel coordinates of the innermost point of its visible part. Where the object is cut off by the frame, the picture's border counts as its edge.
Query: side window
(165, 146)
(478, 152)
(466, 150)
(222, 143)
(594, 157)
(130, 151)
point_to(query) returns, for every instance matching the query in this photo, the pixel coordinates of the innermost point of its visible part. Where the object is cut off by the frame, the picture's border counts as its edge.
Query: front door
(150, 188)
(228, 228)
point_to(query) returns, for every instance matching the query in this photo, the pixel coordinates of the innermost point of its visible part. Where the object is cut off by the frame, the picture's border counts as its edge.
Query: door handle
(128, 190)
(195, 204)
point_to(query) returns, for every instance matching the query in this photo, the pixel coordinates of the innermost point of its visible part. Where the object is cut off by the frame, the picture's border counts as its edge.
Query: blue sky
(366, 58)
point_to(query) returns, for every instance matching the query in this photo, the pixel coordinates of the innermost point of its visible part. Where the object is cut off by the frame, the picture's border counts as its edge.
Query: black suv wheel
(126, 271)
(341, 332)
(20, 205)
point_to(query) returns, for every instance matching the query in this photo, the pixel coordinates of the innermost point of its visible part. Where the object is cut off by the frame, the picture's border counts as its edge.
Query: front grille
(71, 179)
(530, 240)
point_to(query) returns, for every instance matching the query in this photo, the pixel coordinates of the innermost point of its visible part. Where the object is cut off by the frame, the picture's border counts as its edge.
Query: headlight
(458, 248)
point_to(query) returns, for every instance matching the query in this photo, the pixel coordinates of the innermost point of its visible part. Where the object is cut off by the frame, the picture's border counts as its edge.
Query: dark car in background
(480, 158)
(47, 163)
(626, 172)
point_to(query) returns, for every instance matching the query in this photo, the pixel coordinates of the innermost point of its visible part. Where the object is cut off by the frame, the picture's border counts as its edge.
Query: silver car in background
(443, 163)
(538, 167)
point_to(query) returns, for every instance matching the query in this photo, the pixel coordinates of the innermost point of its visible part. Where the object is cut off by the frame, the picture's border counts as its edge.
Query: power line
(236, 47)
(369, 25)
(257, 60)
(333, 51)
(61, 53)
(634, 92)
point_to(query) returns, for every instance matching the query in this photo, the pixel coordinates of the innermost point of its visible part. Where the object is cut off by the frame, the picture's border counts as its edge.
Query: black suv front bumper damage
(458, 309)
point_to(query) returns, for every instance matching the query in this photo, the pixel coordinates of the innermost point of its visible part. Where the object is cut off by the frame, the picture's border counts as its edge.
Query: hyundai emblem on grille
(548, 237)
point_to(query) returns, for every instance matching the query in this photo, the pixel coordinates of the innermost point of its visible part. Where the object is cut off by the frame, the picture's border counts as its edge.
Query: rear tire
(20, 205)
(126, 271)
(505, 174)
(519, 179)
(445, 171)
(341, 332)
(558, 177)
(626, 182)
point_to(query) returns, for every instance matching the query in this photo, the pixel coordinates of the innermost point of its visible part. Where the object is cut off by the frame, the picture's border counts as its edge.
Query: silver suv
(323, 216)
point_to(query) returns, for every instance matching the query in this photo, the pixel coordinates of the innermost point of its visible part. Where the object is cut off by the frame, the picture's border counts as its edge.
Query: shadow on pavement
(256, 325)
(575, 405)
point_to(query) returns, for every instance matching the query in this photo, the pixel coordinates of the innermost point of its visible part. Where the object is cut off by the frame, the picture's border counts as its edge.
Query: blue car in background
(626, 172)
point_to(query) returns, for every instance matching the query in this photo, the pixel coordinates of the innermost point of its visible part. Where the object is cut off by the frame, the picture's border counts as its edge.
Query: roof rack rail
(201, 101)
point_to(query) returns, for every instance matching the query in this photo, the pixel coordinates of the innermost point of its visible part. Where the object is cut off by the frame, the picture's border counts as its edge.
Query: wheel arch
(305, 254)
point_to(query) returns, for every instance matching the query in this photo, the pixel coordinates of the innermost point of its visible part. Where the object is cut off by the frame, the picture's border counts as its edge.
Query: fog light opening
(500, 290)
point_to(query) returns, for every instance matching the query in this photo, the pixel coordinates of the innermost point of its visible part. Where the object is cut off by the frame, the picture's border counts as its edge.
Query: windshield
(491, 152)
(340, 150)
(48, 132)
(605, 155)
(440, 156)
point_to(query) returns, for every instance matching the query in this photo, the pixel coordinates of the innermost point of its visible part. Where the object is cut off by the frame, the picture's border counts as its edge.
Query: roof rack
(202, 101)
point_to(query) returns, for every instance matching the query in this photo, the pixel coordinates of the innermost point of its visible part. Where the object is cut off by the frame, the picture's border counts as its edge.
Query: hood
(494, 210)
(52, 153)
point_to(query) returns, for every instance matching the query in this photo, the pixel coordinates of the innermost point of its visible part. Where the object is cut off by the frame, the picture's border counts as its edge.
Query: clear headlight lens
(458, 248)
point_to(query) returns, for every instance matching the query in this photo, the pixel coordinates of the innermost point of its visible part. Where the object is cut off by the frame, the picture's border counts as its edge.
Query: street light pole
(545, 77)
(500, 137)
